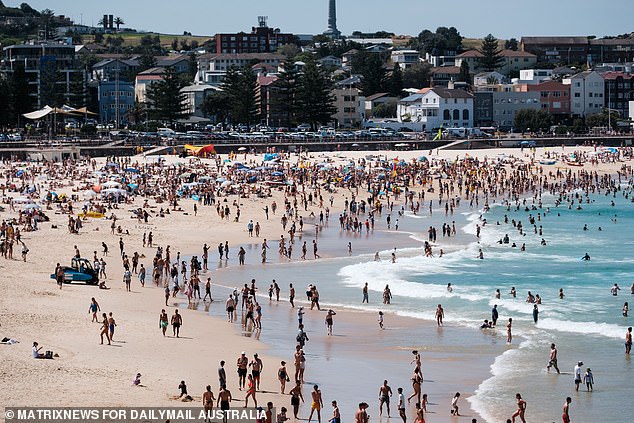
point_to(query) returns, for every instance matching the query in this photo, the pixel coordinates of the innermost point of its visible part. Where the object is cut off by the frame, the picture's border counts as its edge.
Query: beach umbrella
(19, 173)
(131, 169)
(220, 179)
(23, 200)
(277, 174)
(226, 184)
(423, 159)
(89, 194)
(31, 206)
(242, 149)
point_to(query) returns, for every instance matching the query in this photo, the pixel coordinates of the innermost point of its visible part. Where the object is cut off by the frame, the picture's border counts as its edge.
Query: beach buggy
(80, 270)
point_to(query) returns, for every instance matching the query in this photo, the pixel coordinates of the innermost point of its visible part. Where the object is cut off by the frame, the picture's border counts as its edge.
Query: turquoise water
(586, 325)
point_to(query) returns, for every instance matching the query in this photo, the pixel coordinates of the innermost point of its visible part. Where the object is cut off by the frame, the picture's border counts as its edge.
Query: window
(446, 115)
(577, 95)
(456, 114)
(465, 114)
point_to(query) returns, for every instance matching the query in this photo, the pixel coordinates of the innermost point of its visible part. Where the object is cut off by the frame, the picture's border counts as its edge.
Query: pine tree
(370, 67)
(285, 102)
(491, 59)
(396, 81)
(315, 96)
(20, 94)
(465, 74)
(240, 87)
(5, 103)
(51, 85)
(167, 101)
(77, 94)
(147, 60)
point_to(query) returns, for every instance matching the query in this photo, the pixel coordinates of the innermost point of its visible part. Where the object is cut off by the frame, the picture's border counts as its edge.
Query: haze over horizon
(403, 17)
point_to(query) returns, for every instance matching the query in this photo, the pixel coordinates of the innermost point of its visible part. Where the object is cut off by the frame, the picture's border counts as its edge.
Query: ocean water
(587, 325)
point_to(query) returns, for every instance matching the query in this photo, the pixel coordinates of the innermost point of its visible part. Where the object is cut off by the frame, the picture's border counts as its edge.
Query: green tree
(118, 22)
(465, 73)
(51, 85)
(395, 82)
(285, 100)
(216, 105)
(192, 67)
(147, 60)
(240, 87)
(20, 94)
(491, 59)
(417, 76)
(315, 96)
(531, 119)
(444, 39)
(511, 44)
(385, 110)
(77, 90)
(47, 23)
(601, 120)
(165, 98)
(5, 103)
(373, 74)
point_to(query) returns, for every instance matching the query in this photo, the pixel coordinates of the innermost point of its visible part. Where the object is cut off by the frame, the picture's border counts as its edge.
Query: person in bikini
(104, 328)
(208, 402)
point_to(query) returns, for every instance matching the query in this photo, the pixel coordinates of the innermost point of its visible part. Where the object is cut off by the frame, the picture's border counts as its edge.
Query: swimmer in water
(586, 257)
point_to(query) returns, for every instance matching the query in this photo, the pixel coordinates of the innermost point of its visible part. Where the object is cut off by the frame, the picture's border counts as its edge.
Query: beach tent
(200, 150)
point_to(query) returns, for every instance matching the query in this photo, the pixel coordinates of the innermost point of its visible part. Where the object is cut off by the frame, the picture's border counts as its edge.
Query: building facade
(619, 90)
(437, 107)
(554, 96)
(45, 64)
(349, 102)
(513, 61)
(405, 58)
(212, 68)
(116, 99)
(261, 39)
(587, 93)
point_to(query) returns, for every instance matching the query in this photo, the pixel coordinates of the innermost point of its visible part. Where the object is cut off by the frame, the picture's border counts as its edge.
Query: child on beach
(588, 379)
(454, 404)
(381, 320)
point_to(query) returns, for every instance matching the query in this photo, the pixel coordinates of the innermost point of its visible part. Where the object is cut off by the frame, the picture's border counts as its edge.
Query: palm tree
(118, 22)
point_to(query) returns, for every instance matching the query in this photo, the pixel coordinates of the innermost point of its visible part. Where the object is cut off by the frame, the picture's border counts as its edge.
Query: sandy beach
(348, 367)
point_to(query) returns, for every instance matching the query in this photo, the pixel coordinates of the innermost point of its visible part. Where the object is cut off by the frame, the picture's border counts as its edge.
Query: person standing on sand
(552, 360)
(454, 404)
(163, 321)
(440, 314)
(329, 321)
(111, 325)
(317, 404)
(291, 295)
(521, 409)
(361, 416)
(365, 294)
(208, 402)
(588, 379)
(177, 322)
(222, 375)
(242, 364)
(577, 372)
(282, 376)
(230, 306)
(509, 334)
(565, 416)
(385, 392)
(296, 396)
(94, 308)
(401, 405)
(104, 328)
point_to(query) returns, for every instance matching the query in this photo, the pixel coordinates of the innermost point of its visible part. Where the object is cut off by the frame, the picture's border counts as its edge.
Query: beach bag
(48, 354)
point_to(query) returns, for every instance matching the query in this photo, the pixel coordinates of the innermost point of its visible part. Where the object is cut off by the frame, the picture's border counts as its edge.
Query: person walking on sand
(552, 360)
(401, 405)
(111, 325)
(365, 294)
(94, 308)
(163, 321)
(329, 321)
(316, 405)
(416, 381)
(177, 322)
(440, 314)
(291, 295)
(565, 416)
(208, 402)
(521, 409)
(250, 392)
(296, 396)
(104, 328)
(385, 392)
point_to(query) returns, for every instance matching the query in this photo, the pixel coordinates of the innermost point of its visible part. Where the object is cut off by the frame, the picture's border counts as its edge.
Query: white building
(437, 107)
(535, 76)
(488, 78)
(212, 68)
(405, 58)
(196, 97)
(587, 92)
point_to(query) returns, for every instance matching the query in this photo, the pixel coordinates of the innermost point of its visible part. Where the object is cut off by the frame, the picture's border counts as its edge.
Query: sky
(473, 18)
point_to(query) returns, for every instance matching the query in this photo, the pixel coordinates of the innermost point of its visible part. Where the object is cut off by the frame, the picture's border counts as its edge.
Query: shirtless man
(256, 370)
(565, 416)
(317, 404)
(361, 416)
(242, 364)
(296, 396)
(521, 409)
(552, 361)
(224, 399)
(230, 307)
(385, 392)
(628, 340)
(336, 415)
(208, 402)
